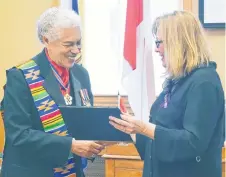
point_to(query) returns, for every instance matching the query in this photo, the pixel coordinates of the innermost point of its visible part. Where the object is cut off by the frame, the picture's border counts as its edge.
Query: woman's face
(159, 48)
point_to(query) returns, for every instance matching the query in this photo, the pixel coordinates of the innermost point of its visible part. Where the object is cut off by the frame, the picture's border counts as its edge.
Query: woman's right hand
(86, 148)
(128, 124)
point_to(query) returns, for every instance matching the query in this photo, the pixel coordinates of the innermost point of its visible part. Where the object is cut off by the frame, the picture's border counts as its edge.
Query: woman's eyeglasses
(158, 42)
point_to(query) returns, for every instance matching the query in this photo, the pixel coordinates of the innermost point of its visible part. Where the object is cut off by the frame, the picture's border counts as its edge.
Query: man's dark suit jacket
(29, 151)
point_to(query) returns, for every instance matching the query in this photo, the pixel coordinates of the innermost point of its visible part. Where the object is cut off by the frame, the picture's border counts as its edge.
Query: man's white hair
(54, 19)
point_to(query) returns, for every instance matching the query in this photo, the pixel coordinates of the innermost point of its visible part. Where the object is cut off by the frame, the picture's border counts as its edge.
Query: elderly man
(37, 143)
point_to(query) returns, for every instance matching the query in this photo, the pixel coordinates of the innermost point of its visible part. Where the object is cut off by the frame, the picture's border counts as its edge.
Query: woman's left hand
(128, 124)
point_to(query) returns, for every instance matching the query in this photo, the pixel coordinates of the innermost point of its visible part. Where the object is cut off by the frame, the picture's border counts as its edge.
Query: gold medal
(68, 99)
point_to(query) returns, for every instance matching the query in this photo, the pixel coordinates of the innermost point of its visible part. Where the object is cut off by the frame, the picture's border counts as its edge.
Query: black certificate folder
(92, 123)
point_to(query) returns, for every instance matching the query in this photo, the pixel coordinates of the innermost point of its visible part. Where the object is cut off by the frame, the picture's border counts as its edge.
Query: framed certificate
(212, 13)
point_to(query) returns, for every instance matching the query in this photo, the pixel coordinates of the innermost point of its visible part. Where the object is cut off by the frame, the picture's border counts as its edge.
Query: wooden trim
(111, 101)
(106, 156)
(187, 5)
(128, 150)
(132, 164)
(110, 168)
(2, 134)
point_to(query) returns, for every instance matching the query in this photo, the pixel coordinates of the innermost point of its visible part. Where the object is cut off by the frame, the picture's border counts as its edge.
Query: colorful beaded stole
(49, 113)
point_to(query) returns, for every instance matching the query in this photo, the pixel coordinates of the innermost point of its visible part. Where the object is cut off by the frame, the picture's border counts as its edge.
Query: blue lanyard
(59, 80)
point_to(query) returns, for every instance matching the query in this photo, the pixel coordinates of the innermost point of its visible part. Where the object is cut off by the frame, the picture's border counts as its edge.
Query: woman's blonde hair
(184, 42)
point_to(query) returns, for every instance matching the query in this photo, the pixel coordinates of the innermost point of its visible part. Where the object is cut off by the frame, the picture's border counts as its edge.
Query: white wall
(103, 19)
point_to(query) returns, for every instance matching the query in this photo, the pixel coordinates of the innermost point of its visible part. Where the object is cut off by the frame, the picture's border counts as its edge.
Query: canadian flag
(138, 71)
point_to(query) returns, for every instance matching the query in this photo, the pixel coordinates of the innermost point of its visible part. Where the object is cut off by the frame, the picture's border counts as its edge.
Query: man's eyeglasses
(158, 42)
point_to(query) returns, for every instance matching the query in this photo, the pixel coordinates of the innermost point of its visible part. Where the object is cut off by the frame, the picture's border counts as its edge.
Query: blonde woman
(184, 136)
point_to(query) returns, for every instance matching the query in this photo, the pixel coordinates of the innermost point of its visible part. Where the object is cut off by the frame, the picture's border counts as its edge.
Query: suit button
(150, 174)
(150, 157)
(198, 158)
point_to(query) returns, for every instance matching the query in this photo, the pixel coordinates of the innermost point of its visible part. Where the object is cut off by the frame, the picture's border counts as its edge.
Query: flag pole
(119, 64)
(81, 10)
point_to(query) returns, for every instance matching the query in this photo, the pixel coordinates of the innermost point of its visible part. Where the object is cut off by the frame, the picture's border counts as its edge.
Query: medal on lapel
(85, 97)
(68, 99)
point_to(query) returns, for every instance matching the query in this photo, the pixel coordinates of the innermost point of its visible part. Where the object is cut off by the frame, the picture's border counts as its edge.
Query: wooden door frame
(187, 5)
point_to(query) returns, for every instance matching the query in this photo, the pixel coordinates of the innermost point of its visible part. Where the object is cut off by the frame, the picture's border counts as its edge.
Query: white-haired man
(37, 143)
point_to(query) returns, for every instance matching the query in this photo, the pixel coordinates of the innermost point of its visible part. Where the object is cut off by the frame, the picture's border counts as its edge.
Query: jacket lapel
(50, 83)
(76, 87)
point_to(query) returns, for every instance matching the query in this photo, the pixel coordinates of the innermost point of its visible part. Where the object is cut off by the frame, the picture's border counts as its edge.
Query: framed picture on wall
(212, 13)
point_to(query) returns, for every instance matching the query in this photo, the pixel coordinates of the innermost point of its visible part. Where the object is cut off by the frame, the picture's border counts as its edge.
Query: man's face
(65, 49)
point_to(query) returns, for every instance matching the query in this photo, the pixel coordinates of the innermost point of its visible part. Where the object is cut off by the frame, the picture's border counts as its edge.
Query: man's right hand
(86, 148)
